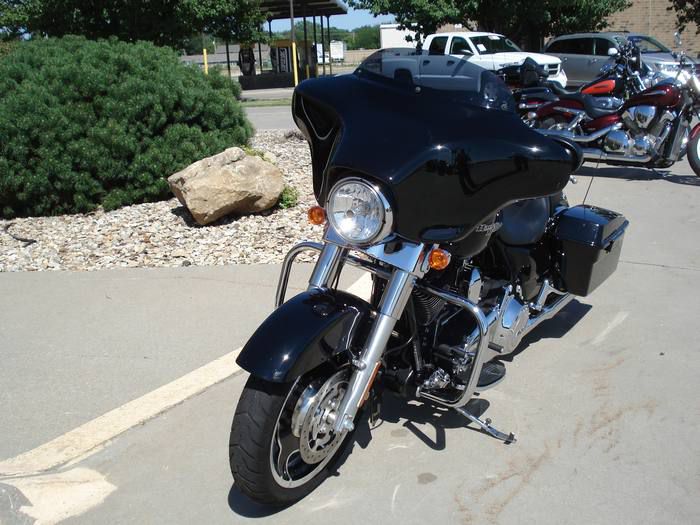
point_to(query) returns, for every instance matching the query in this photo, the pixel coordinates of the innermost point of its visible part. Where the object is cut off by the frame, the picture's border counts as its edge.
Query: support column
(306, 42)
(323, 46)
(295, 68)
(315, 43)
(330, 56)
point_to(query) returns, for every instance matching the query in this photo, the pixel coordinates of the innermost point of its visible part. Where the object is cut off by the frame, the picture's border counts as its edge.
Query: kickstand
(486, 426)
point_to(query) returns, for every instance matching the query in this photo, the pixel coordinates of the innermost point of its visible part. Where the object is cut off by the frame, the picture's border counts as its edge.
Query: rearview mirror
(677, 39)
(612, 52)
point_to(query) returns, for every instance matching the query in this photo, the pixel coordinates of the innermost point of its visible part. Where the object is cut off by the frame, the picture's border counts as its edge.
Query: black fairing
(305, 332)
(447, 157)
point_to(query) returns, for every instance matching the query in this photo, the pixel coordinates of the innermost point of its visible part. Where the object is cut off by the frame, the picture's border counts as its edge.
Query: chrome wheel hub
(313, 422)
(304, 441)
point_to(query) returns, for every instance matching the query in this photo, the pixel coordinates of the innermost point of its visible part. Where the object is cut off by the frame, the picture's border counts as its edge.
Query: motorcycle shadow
(638, 174)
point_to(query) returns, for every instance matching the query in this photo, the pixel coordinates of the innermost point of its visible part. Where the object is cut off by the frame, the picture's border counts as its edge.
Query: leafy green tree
(521, 20)
(237, 21)
(366, 37)
(163, 22)
(687, 11)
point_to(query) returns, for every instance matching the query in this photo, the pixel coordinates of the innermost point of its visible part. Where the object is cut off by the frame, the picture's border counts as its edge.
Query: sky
(354, 18)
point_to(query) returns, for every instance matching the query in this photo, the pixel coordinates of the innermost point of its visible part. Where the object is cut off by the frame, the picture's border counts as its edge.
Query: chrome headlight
(359, 212)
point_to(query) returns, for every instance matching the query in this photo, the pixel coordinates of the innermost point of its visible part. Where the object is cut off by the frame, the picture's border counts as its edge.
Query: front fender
(303, 333)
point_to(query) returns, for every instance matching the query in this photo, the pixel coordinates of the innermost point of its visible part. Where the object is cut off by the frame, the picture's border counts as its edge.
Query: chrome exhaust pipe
(579, 138)
(547, 313)
(594, 154)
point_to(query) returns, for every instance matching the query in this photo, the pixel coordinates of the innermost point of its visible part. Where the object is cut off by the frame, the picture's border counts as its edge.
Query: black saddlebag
(590, 242)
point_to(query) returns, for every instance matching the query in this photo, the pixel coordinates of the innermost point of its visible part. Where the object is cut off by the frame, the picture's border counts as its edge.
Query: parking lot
(118, 389)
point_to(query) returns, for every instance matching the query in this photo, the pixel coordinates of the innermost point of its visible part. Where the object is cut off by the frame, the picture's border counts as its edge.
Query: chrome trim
(483, 324)
(594, 154)
(388, 212)
(404, 255)
(542, 296)
(579, 138)
(475, 285)
(486, 426)
(394, 299)
(328, 265)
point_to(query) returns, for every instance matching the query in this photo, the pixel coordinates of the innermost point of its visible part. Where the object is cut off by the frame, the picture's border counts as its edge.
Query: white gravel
(162, 233)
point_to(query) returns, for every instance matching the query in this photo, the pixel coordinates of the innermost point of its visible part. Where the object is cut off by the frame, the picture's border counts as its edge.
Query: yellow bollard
(308, 71)
(206, 62)
(294, 63)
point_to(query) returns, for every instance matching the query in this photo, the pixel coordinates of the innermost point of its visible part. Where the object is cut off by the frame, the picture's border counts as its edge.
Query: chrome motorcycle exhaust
(579, 138)
(596, 154)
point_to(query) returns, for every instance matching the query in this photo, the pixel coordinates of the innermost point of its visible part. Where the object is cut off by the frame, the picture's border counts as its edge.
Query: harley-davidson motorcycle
(426, 178)
(651, 129)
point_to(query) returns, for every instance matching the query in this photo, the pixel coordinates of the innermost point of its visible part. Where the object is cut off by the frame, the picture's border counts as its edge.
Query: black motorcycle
(427, 179)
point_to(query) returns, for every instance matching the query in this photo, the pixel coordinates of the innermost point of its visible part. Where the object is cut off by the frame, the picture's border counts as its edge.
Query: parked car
(584, 54)
(490, 51)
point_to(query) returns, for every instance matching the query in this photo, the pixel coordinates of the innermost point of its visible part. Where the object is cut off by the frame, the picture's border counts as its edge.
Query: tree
(423, 17)
(366, 37)
(163, 22)
(521, 20)
(237, 21)
(687, 11)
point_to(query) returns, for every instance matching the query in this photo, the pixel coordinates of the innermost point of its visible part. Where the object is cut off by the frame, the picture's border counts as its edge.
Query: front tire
(269, 462)
(694, 154)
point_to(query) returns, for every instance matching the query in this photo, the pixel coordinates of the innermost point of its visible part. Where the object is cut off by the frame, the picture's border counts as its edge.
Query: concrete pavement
(602, 398)
(271, 117)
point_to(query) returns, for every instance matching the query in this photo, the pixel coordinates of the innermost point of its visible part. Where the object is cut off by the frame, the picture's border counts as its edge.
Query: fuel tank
(665, 94)
(438, 134)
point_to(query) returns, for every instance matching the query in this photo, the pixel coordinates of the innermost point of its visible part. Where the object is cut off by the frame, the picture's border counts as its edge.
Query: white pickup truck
(490, 51)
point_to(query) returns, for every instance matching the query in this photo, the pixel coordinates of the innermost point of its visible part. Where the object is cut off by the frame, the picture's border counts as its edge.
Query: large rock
(230, 182)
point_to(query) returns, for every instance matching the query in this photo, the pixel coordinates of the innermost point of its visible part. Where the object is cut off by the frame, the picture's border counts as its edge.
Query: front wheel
(282, 440)
(694, 153)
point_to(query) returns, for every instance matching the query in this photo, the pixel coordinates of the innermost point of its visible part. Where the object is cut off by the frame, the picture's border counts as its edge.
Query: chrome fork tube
(396, 295)
(329, 264)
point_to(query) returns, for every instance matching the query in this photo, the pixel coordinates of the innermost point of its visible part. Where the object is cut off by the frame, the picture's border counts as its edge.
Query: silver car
(583, 54)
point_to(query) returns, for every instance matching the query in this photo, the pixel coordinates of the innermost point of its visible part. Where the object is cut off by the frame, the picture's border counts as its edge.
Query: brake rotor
(314, 416)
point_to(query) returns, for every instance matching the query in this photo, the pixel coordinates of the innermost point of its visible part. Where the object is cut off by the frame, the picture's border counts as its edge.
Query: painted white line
(92, 436)
(56, 497)
(89, 438)
(616, 321)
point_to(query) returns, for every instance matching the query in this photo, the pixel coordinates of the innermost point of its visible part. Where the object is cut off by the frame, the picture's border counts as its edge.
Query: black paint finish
(303, 333)
(445, 162)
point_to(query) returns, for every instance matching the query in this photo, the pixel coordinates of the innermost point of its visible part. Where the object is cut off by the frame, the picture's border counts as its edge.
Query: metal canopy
(279, 9)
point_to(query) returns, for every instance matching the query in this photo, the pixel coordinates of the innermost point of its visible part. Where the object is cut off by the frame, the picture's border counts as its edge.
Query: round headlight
(358, 212)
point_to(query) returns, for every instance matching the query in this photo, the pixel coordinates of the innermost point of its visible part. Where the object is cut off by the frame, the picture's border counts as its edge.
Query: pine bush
(87, 123)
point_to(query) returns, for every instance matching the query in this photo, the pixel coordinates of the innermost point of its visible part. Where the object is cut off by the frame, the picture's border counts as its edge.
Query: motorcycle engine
(644, 133)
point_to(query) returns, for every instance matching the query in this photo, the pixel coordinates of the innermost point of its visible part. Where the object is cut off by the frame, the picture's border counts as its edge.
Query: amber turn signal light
(439, 259)
(317, 215)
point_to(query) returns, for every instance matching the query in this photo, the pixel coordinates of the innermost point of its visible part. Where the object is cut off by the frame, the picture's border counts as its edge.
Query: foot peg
(486, 426)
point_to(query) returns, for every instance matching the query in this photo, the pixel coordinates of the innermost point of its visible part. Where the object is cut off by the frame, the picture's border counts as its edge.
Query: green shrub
(84, 123)
(6, 47)
(288, 198)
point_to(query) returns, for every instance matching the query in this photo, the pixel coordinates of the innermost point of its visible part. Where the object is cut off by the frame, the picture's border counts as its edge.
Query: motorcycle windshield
(438, 135)
(452, 77)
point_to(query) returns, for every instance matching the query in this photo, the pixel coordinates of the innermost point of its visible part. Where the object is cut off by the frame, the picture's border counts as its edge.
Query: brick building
(651, 17)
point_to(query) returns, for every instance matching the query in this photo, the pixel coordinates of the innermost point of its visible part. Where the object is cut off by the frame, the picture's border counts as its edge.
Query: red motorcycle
(651, 129)
(618, 81)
